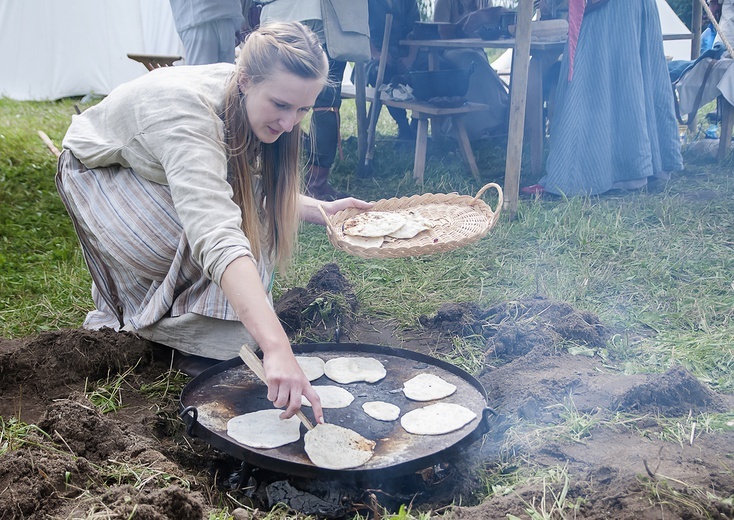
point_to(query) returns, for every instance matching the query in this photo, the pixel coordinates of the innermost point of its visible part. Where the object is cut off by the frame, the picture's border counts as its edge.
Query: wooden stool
(423, 111)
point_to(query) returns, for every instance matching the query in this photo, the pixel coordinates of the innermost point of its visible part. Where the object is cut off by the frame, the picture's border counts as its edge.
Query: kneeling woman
(184, 189)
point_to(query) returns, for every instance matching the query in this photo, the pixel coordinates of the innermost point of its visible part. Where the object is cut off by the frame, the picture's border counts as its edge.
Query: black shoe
(192, 365)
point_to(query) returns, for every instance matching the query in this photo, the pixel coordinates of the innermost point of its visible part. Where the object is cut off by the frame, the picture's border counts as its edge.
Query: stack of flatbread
(372, 228)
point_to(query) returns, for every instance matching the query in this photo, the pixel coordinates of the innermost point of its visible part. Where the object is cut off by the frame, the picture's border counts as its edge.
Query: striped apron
(144, 276)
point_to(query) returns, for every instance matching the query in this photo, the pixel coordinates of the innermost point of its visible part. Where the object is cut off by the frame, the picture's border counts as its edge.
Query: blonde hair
(287, 47)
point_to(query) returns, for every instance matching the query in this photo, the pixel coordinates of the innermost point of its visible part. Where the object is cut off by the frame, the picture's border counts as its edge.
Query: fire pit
(231, 389)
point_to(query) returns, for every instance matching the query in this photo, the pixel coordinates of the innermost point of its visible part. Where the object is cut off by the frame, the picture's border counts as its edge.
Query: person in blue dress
(614, 125)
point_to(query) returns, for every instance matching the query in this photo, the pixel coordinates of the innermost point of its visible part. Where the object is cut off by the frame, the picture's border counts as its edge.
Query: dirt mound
(676, 392)
(75, 453)
(323, 311)
(513, 329)
(36, 370)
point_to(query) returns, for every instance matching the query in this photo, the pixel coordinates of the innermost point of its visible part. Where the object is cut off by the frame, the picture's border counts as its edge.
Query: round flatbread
(437, 419)
(414, 224)
(264, 429)
(312, 366)
(333, 447)
(381, 410)
(373, 224)
(347, 370)
(366, 242)
(331, 397)
(427, 387)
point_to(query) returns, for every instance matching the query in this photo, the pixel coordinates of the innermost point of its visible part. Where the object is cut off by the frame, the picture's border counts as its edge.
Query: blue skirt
(614, 124)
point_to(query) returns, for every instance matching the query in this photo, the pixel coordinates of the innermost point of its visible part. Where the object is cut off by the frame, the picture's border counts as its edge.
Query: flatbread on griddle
(331, 396)
(427, 387)
(373, 224)
(264, 429)
(312, 366)
(333, 447)
(437, 419)
(381, 410)
(347, 370)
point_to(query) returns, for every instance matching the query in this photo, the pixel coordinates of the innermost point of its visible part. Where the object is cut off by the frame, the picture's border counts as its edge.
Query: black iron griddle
(229, 389)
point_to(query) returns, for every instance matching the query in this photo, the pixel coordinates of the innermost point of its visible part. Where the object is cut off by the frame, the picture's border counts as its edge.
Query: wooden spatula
(256, 365)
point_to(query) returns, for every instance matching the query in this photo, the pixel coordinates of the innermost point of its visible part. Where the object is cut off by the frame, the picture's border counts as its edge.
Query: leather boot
(317, 184)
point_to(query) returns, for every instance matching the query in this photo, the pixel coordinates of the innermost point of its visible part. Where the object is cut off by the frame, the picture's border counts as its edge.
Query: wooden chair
(422, 111)
(154, 61)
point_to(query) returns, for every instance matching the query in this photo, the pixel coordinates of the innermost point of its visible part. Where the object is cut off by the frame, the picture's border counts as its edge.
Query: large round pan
(229, 389)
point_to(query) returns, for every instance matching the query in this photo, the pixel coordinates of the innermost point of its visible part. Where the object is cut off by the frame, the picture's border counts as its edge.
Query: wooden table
(542, 53)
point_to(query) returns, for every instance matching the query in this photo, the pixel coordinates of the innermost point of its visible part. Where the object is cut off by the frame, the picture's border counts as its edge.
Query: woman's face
(279, 104)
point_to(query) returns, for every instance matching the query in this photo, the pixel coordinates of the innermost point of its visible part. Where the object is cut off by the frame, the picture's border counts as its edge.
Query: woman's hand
(287, 382)
(310, 211)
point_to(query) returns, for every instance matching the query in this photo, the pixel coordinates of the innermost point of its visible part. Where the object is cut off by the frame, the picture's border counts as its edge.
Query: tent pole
(518, 99)
(696, 15)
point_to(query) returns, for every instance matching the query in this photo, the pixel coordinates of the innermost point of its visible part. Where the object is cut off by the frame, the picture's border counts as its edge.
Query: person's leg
(405, 131)
(227, 32)
(194, 334)
(323, 138)
(201, 44)
(144, 274)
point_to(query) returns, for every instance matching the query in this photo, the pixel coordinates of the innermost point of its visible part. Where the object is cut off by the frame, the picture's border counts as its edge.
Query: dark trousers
(323, 137)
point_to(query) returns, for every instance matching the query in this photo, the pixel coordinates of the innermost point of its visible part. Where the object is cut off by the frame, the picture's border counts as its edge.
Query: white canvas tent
(675, 33)
(51, 49)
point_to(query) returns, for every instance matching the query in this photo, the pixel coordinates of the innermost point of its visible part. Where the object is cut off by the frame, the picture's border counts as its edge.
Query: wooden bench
(154, 61)
(423, 112)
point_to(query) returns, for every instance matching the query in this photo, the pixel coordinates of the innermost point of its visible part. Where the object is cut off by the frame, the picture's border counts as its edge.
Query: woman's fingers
(280, 395)
(285, 388)
(315, 401)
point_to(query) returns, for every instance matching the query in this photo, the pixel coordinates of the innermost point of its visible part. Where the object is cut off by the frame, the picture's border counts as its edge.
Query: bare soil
(71, 464)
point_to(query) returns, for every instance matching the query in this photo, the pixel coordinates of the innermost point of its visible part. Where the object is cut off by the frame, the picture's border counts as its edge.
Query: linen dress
(614, 125)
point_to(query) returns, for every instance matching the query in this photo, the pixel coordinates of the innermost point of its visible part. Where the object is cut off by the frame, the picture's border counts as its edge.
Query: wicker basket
(458, 220)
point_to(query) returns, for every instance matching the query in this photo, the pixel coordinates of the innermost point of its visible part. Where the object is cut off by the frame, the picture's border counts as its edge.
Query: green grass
(656, 267)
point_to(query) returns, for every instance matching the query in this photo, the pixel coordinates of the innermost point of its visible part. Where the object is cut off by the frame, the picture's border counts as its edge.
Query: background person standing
(323, 137)
(208, 29)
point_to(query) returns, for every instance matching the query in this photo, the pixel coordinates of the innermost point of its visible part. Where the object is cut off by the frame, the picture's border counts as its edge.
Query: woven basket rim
(476, 220)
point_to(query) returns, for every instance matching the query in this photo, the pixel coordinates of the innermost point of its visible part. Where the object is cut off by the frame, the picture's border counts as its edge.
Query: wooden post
(360, 82)
(518, 98)
(696, 15)
(49, 143)
(376, 105)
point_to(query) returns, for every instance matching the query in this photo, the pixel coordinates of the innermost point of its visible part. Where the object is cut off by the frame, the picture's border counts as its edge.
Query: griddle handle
(485, 419)
(190, 426)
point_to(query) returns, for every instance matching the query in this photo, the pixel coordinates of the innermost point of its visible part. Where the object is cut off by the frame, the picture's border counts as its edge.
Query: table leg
(534, 115)
(421, 147)
(465, 146)
(360, 84)
(727, 122)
